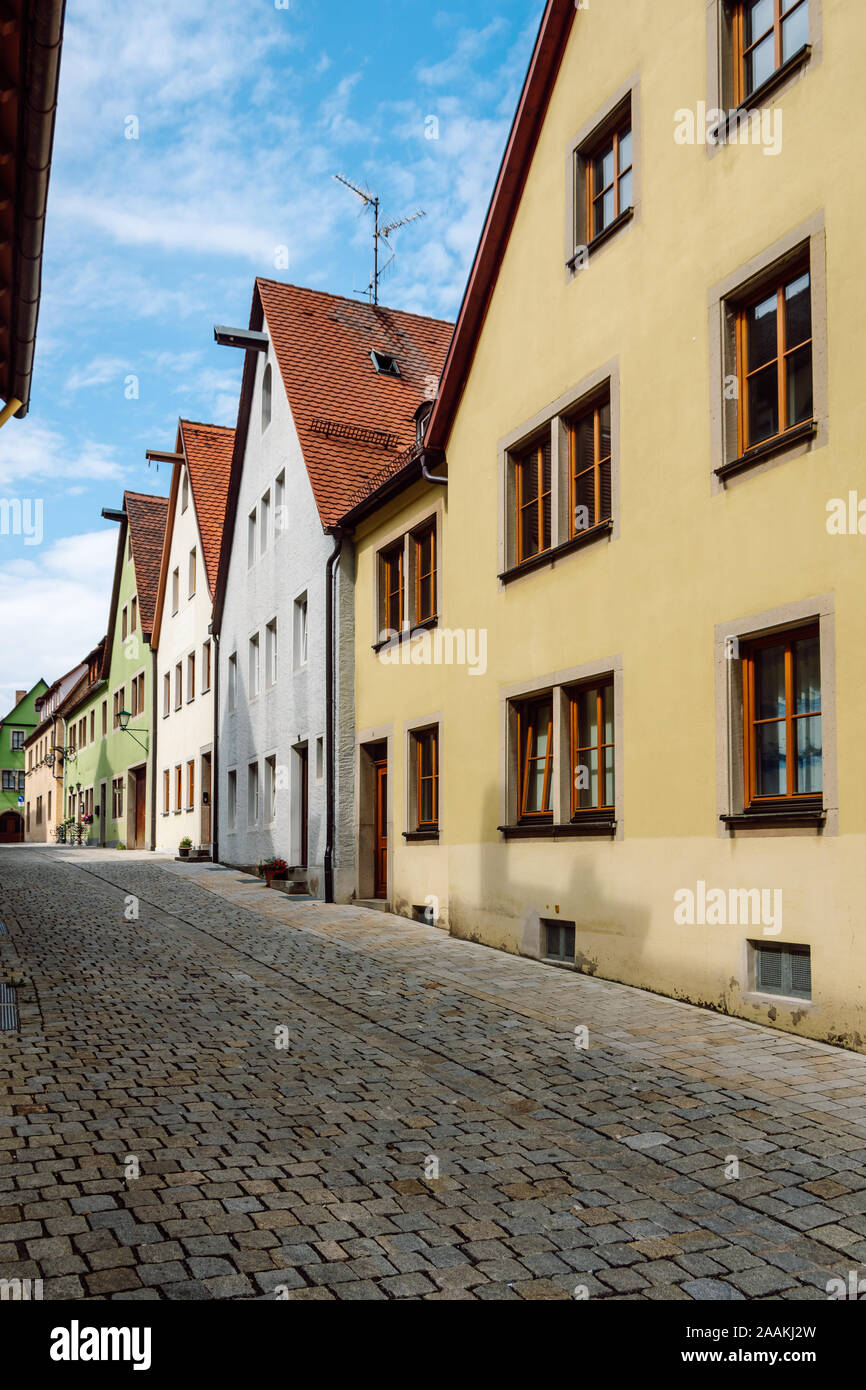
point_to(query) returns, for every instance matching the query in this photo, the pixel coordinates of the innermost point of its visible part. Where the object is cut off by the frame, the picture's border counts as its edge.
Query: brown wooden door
(304, 775)
(380, 829)
(140, 807)
(205, 798)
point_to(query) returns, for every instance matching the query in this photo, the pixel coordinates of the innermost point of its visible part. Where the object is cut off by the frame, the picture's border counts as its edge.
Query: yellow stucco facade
(692, 557)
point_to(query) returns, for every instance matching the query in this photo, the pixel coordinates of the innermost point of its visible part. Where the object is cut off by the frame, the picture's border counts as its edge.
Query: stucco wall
(292, 711)
(689, 556)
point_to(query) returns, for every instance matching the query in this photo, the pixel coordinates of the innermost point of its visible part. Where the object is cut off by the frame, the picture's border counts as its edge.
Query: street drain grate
(8, 1010)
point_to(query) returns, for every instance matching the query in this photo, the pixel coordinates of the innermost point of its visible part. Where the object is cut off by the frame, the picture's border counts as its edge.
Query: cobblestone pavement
(307, 1171)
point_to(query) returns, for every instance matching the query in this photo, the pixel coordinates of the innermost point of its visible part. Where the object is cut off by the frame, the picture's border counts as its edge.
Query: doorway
(301, 802)
(205, 799)
(380, 828)
(11, 828)
(140, 811)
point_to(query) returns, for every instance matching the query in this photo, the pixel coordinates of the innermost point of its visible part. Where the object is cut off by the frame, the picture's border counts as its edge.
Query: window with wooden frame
(533, 493)
(774, 359)
(124, 625)
(166, 792)
(608, 171)
(782, 719)
(591, 735)
(190, 677)
(392, 588)
(426, 779)
(589, 454)
(766, 35)
(206, 667)
(535, 758)
(104, 718)
(133, 614)
(424, 545)
(116, 798)
(190, 785)
(178, 787)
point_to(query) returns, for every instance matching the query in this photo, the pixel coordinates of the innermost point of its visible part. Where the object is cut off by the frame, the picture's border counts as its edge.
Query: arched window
(266, 397)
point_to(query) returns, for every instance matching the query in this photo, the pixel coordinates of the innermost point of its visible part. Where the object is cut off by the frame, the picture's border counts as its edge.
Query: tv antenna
(381, 233)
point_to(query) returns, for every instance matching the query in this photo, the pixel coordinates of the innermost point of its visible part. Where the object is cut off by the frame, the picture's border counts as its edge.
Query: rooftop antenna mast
(380, 233)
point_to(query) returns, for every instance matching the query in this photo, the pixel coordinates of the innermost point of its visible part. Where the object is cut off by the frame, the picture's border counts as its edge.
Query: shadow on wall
(512, 913)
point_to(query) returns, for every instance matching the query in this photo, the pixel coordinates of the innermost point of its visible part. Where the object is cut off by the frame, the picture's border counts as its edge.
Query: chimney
(19, 696)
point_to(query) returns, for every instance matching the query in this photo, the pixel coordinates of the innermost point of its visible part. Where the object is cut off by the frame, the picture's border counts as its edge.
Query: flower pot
(183, 851)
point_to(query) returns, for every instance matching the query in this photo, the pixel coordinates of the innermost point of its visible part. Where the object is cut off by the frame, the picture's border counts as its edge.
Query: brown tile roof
(208, 450)
(352, 421)
(147, 517)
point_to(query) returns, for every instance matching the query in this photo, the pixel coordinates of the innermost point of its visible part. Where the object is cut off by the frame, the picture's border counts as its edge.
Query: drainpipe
(10, 408)
(153, 740)
(330, 704)
(431, 477)
(215, 769)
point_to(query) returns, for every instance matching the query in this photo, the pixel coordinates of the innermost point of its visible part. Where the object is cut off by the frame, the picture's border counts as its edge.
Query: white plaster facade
(184, 720)
(276, 724)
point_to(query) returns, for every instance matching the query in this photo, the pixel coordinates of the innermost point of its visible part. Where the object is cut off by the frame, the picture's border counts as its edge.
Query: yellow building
(629, 739)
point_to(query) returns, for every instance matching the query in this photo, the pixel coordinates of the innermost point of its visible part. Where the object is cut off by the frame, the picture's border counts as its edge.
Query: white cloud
(54, 610)
(34, 453)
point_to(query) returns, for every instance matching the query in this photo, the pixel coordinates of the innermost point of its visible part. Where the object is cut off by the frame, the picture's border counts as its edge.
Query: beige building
(636, 749)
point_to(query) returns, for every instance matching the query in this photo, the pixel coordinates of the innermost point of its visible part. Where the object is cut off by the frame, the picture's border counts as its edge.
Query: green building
(108, 778)
(14, 729)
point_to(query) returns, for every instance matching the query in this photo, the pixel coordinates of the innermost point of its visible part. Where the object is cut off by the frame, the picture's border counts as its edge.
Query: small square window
(782, 969)
(558, 941)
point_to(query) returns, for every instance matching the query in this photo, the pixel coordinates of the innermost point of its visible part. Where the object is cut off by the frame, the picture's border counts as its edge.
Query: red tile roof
(208, 450)
(147, 517)
(352, 421)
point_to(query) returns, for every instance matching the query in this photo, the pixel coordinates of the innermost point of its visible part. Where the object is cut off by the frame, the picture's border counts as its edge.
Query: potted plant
(271, 869)
(185, 847)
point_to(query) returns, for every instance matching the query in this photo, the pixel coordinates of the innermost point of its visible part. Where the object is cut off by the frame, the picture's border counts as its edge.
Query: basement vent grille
(341, 429)
(8, 1011)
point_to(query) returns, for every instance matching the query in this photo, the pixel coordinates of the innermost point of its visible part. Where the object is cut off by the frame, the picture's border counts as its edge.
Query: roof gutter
(42, 69)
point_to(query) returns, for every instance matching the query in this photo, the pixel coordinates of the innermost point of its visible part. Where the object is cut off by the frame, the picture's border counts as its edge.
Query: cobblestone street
(152, 1044)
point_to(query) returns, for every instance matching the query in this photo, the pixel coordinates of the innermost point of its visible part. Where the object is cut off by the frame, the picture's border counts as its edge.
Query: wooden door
(205, 798)
(140, 807)
(380, 829)
(304, 789)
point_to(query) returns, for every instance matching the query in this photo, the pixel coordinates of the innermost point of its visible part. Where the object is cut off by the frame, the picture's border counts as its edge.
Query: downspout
(154, 738)
(428, 476)
(215, 769)
(10, 408)
(330, 704)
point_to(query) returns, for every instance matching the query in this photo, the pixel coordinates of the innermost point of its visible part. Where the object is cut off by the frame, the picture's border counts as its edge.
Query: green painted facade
(22, 720)
(100, 762)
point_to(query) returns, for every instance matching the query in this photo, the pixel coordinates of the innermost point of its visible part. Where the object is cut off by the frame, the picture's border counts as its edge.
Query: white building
(186, 671)
(330, 391)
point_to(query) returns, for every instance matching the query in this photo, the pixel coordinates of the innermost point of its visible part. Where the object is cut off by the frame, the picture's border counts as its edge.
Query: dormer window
(385, 364)
(184, 492)
(422, 420)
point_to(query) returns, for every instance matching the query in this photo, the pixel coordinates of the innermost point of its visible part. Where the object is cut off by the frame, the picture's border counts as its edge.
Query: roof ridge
(347, 299)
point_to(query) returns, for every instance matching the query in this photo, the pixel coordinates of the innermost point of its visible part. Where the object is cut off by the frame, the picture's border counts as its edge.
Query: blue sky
(244, 109)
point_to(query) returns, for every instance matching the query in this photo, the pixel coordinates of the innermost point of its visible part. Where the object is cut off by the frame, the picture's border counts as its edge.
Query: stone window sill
(549, 557)
(769, 449)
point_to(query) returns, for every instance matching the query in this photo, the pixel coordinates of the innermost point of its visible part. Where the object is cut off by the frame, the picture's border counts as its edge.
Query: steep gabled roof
(208, 450)
(352, 421)
(553, 35)
(147, 517)
(323, 345)
(24, 698)
(84, 686)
